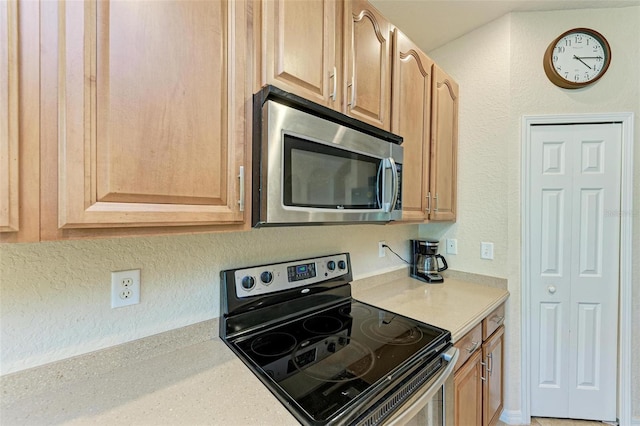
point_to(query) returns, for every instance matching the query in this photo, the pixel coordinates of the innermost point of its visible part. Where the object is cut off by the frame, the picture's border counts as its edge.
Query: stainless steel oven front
(309, 169)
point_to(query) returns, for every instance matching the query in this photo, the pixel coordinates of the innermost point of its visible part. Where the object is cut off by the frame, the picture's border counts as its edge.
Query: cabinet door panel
(493, 391)
(299, 47)
(369, 74)
(151, 113)
(9, 177)
(468, 392)
(411, 118)
(444, 146)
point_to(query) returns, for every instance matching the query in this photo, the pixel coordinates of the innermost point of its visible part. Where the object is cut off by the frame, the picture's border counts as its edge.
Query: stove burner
(356, 311)
(322, 325)
(394, 331)
(273, 344)
(339, 359)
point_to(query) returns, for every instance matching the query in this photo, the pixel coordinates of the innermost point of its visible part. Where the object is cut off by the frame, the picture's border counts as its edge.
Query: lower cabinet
(467, 383)
(478, 381)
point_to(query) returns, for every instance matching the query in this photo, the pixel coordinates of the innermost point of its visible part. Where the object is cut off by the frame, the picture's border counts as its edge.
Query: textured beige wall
(55, 296)
(499, 68)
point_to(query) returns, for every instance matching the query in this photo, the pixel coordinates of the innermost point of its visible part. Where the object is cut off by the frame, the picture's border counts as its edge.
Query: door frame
(624, 407)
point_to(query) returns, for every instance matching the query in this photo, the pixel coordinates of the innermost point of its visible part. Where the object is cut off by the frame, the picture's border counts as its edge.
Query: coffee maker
(424, 261)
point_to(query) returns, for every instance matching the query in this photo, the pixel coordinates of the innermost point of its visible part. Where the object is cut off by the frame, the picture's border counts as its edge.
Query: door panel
(9, 167)
(411, 117)
(369, 65)
(151, 99)
(299, 43)
(550, 345)
(575, 243)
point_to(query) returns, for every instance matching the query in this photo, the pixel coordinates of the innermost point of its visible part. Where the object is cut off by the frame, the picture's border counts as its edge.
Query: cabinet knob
(551, 289)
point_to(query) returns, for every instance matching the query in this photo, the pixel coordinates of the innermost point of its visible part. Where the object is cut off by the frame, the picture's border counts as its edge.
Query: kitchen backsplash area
(56, 295)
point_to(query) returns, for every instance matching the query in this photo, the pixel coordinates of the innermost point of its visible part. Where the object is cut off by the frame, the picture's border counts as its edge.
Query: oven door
(432, 404)
(313, 170)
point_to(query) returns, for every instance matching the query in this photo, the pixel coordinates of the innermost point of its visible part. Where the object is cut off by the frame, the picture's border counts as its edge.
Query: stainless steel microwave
(313, 165)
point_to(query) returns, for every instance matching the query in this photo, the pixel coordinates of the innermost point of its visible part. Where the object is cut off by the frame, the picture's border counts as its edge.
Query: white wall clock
(577, 58)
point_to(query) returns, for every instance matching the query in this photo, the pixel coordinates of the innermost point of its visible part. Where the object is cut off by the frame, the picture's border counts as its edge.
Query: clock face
(577, 58)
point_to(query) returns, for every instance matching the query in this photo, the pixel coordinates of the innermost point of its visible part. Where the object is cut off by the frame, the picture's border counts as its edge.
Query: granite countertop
(189, 376)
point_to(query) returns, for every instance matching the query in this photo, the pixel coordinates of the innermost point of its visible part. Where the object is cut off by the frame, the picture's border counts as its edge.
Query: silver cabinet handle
(498, 319)
(353, 94)
(473, 347)
(428, 202)
(484, 379)
(435, 198)
(241, 177)
(333, 94)
(490, 364)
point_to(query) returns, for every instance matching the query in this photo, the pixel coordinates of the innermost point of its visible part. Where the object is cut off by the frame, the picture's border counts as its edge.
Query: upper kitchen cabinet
(444, 146)
(144, 114)
(367, 64)
(411, 118)
(299, 48)
(19, 121)
(9, 178)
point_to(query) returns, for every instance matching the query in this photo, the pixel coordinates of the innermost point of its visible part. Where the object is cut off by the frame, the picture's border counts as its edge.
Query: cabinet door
(493, 388)
(411, 118)
(444, 146)
(467, 384)
(151, 98)
(19, 121)
(299, 48)
(9, 176)
(368, 69)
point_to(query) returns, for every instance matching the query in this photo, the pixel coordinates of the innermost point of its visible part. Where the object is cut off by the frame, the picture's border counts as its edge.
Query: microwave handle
(394, 184)
(379, 187)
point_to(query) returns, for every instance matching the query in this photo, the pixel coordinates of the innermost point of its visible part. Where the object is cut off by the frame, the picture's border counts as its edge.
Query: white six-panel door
(574, 242)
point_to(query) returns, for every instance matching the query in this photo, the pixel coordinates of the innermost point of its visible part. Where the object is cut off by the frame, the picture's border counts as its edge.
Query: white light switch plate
(452, 246)
(486, 250)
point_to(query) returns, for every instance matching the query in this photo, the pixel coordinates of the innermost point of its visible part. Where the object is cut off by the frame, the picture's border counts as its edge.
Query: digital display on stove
(301, 272)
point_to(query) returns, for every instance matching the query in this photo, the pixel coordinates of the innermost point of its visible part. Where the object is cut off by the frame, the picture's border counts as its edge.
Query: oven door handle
(406, 413)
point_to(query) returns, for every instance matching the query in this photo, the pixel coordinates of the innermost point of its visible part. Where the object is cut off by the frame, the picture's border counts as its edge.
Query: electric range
(330, 359)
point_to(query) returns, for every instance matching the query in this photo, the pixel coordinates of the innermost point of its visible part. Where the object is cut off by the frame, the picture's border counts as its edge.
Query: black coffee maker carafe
(425, 264)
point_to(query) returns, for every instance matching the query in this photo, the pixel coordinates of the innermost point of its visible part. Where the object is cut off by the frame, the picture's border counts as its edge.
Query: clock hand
(585, 64)
(590, 57)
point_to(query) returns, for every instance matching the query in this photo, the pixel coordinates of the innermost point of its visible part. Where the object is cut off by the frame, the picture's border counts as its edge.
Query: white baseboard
(635, 421)
(512, 417)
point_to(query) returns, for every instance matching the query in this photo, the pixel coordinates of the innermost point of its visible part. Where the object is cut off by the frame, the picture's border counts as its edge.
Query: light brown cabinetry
(444, 146)
(467, 382)
(411, 118)
(478, 379)
(9, 170)
(302, 48)
(299, 41)
(367, 57)
(492, 387)
(19, 121)
(145, 115)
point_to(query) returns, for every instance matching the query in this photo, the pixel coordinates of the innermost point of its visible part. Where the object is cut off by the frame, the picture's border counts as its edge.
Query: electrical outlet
(452, 246)
(381, 249)
(125, 288)
(486, 250)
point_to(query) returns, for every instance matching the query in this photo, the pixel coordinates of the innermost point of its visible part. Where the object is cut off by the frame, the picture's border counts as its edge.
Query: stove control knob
(331, 265)
(342, 264)
(248, 283)
(266, 277)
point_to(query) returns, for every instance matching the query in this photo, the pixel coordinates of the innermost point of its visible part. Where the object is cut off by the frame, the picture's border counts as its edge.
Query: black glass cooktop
(322, 362)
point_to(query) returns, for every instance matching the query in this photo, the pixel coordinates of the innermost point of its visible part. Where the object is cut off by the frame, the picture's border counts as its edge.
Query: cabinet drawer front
(491, 323)
(468, 345)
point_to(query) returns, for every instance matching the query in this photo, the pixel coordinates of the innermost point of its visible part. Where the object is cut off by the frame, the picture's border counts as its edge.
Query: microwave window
(321, 176)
